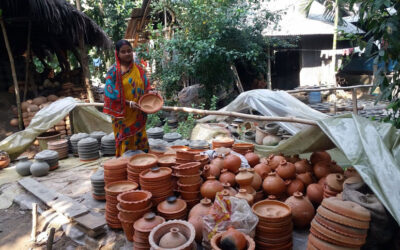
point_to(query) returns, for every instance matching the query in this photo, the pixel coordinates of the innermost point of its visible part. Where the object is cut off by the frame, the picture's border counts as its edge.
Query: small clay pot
(335, 182)
(211, 170)
(227, 177)
(252, 158)
(161, 230)
(315, 193)
(211, 187)
(257, 180)
(273, 184)
(244, 178)
(293, 159)
(39, 168)
(23, 166)
(275, 160)
(172, 239)
(286, 170)
(148, 222)
(233, 238)
(219, 162)
(134, 199)
(232, 163)
(321, 169)
(244, 195)
(197, 222)
(262, 169)
(302, 209)
(335, 168)
(320, 156)
(216, 239)
(302, 166)
(231, 190)
(190, 168)
(172, 206)
(201, 209)
(295, 185)
(306, 178)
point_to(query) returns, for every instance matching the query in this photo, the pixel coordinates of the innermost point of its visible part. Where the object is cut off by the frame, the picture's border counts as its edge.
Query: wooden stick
(326, 89)
(34, 222)
(354, 99)
(50, 239)
(28, 56)
(14, 74)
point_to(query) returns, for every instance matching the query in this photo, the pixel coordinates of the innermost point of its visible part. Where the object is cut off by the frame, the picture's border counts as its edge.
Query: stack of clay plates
(108, 144)
(49, 156)
(61, 146)
(158, 181)
(75, 138)
(171, 137)
(88, 149)
(139, 163)
(155, 133)
(199, 144)
(98, 135)
(97, 180)
(339, 224)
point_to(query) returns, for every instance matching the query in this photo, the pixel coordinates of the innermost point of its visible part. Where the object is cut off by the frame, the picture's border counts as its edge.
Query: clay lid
(148, 222)
(335, 181)
(151, 103)
(272, 210)
(115, 163)
(341, 219)
(172, 205)
(347, 208)
(120, 186)
(156, 174)
(142, 160)
(167, 159)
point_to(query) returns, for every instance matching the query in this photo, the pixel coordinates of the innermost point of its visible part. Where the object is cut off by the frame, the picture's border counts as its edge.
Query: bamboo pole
(27, 59)
(269, 81)
(14, 74)
(34, 222)
(327, 89)
(335, 33)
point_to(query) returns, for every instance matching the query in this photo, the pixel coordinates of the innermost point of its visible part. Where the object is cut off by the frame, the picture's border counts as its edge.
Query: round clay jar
(302, 209)
(23, 166)
(39, 168)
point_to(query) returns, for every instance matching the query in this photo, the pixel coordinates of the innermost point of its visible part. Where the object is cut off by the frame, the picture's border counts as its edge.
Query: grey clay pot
(23, 166)
(39, 168)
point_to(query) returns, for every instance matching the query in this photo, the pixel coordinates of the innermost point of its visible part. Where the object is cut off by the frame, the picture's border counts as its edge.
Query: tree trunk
(14, 74)
(335, 41)
(27, 60)
(269, 82)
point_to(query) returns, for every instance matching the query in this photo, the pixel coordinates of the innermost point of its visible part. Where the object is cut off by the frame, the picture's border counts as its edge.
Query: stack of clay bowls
(333, 185)
(199, 144)
(112, 191)
(115, 169)
(189, 182)
(167, 160)
(49, 156)
(97, 180)
(139, 163)
(158, 181)
(185, 156)
(171, 137)
(75, 138)
(108, 144)
(88, 149)
(61, 146)
(155, 133)
(274, 229)
(143, 227)
(224, 142)
(132, 205)
(339, 224)
(98, 135)
(174, 234)
(157, 146)
(243, 148)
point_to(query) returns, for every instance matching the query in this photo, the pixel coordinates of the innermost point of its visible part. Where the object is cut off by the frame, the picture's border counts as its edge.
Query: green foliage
(153, 120)
(186, 126)
(166, 128)
(214, 100)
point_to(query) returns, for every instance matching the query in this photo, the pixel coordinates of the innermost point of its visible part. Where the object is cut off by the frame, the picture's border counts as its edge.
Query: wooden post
(34, 222)
(336, 21)
(50, 239)
(354, 99)
(269, 81)
(27, 59)
(14, 74)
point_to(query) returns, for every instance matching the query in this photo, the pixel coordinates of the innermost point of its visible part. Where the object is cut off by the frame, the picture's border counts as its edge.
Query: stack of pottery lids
(61, 146)
(158, 181)
(49, 156)
(333, 185)
(139, 163)
(108, 144)
(199, 144)
(143, 227)
(184, 156)
(189, 182)
(132, 205)
(243, 148)
(75, 138)
(158, 144)
(97, 180)
(172, 123)
(166, 160)
(98, 135)
(155, 133)
(339, 224)
(274, 229)
(112, 191)
(225, 142)
(115, 169)
(88, 149)
(171, 137)
(181, 142)
(173, 209)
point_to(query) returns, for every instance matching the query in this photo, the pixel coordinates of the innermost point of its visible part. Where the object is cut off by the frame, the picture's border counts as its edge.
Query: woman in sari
(126, 82)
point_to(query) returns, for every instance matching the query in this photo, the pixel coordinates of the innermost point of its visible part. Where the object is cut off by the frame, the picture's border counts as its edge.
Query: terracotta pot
(127, 226)
(272, 197)
(302, 166)
(189, 187)
(189, 179)
(293, 159)
(262, 169)
(143, 161)
(232, 163)
(244, 195)
(190, 168)
(335, 182)
(244, 178)
(201, 209)
(273, 184)
(315, 193)
(211, 170)
(286, 170)
(275, 160)
(219, 162)
(250, 190)
(156, 174)
(351, 172)
(185, 155)
(130, 215)
(231, 190)
(335, 168)
(172, 206)
(134, 200)
(115, 188)
(197, 222)
(233, 238)
(227, 177)
(321, 169)
(306, 178)
(295, 185)
(211, 187)
(257, 180)
(216, 239)
(321, 182)
(252, 158)
(259, 196)
(172, 239)
(302, 209)
(320, 156)
(148, 222)
(161, 230)
(186, 195)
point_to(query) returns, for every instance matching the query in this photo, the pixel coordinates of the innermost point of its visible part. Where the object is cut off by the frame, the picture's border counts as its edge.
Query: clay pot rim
(189, 185)
(152, 96)
(186, 166)
(120, 209)
(147, 198)
(136, 224)
(272, 202)
(167, 173)
(251, 245)
(109, 186)
(187, 176)
(143, 155)
(179, 147)
(160, 159)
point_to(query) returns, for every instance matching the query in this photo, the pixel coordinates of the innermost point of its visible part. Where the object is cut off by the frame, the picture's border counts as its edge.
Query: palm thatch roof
(56, 26)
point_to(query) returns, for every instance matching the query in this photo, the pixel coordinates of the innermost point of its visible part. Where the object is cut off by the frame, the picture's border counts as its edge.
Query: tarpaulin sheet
(85, 119)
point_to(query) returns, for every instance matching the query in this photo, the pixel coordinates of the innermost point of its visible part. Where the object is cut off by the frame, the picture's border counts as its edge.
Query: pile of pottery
(49, 156)
(75, 138)
(97, 180)
(243, 148)
(115, 169)
(274, 229)
(61, 146)
(172, 209)
(143, 227)
(224, 142)
(88, 149)
(158, 181)
(339, 224)
(173, 234)
(23, 166)
(98, 135)
(132, 205)
(196, 217)
(189, 181)
(199, 144)
(171, 137)
(232, 238)
(155, 133)
(108, 144)
(139, 163)
(333, 185)
(112, 191)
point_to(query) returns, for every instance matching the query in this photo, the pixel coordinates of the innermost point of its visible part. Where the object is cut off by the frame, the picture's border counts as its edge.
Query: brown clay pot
(250, 190)
(244, 178)
(302, 209)
(257, 180)
(244, 195)
(273, 184)
(295, 185)
(262, 169)
(302, 166)
(210, 188)
(259, 196)
(320, 156)
(227, 177)
(216, 239)
(315, 193)
(172, 206)
(219, 162)
(231, 190)
(190, 168)
(252, 158)
(306, 178)
(293, 159)
(211, 170)
(134, 200)
(197, 222)
(233, 238)
(201, 209)
(335, 168)
(335, 182)
(275, 160)
(286, 170)
(321, 169)
(148, 222)
(172, 239)
(232, 163)
(161, 230)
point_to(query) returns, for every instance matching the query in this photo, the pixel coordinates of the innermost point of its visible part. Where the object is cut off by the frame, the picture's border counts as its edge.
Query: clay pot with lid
(172, 239)
(211, 170)
(232, 163)
(227, 177)
(201, 208)
(233, 238)
(252, 158)
(172, 207)
(286, 170)
(257, 180)
(273, 184)
(302, 209)
(244, 195)
(184, 227)
(211, 187)
(306, 178)
(229, 188)
(275, 160)
(335, 182)
(218, 161)
(148, 222)
(295, 185)
(155, 174)
(302, 166)
(321, 169)
(315, 193)
(262, 169)
(216, 240)
(244, 178)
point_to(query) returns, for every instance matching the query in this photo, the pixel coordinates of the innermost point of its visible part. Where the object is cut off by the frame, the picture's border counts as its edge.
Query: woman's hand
(133, 105)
